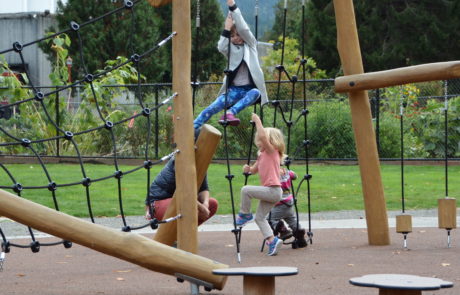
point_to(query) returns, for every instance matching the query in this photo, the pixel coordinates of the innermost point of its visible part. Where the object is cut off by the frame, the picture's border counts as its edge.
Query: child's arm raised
(262, 135)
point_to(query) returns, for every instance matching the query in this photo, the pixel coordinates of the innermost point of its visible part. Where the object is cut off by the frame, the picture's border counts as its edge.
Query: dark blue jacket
(164, 185)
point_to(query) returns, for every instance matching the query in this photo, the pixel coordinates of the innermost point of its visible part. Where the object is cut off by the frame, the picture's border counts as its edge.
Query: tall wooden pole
(350, 55)
(186, 190)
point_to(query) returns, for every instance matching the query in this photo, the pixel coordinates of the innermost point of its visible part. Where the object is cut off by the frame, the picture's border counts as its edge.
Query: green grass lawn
(332, 187)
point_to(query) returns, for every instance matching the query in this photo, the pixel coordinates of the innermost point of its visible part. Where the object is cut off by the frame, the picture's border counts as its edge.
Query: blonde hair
(276, 139)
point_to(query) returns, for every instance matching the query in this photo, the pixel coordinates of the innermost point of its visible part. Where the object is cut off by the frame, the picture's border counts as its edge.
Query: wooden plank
(350, 56)
(399, 76)
(206, 146)
(130, 247)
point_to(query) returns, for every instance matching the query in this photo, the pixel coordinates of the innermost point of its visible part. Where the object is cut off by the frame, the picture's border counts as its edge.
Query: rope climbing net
(288, 122)
(71, 136)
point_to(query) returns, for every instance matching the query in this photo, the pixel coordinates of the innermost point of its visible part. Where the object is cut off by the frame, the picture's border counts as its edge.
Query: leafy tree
(292, 61)
(116, 36)
(392, 33)
(205, 56)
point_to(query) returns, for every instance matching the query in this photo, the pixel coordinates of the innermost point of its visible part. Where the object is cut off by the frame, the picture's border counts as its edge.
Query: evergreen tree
(115, 35)
(392, 33)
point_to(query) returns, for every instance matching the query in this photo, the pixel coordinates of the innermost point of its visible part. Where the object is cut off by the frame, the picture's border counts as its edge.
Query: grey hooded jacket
(247, 52)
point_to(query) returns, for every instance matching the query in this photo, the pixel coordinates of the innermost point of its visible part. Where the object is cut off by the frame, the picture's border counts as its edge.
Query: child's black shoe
(299, 241)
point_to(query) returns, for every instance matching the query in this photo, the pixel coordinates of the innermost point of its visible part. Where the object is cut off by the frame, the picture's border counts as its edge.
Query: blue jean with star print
(239, 97)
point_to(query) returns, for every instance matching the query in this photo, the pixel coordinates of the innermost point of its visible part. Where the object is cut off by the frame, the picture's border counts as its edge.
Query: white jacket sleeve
(242, 28)
(222, 45)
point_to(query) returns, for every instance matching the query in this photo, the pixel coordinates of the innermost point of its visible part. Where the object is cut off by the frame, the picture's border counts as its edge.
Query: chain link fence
(315, 120)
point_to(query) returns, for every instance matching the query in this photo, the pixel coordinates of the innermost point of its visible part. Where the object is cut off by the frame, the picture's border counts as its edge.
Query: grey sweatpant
(268, 196)
(283, 212)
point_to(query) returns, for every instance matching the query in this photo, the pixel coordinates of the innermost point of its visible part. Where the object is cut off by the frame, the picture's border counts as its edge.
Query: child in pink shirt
(270, 142)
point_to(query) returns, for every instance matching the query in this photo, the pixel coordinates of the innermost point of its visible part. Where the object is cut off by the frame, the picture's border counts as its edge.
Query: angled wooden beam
(366, 146)
(206, 146)
(420, 73)
(130, 247)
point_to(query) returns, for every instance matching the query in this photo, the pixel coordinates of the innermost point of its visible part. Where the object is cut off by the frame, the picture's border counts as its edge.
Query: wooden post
(186, 190)
(447, 213)
(254, 285)
(404, 223)
(130, 247)
(350, 55)
(206, 146)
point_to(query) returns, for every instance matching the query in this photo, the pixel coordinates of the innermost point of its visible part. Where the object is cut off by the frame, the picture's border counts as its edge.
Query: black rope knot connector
(306, 142)
(6, 247)
(67, 244)
(68, 135)
(275, 103)
(126, 229)
(52, 186)
(280, 68)
(146, 112)
(118, 174)
(35, 246)
(148, 164)
(289, 123)
(86, 181)
(224, 123)
(74, 25)
(307, 176)
(154, 223)
(17, 47)
(305, 112)
(89, 78)
(128, 4)
(135, 57)
(108, 125)
(39, 96)
(229, 176)
(227, 72)
(25, 142)
(17, 187)
(303, 61)
(294, 78)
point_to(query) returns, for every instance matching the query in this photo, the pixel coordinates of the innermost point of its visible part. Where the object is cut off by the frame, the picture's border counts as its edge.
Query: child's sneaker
(274, 246)
(231, 119)
(243, 218)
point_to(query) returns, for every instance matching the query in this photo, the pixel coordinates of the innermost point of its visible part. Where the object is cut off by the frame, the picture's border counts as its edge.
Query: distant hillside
(266, 14)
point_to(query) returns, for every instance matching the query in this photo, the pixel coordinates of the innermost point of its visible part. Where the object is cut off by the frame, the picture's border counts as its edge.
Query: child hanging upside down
(245, 78)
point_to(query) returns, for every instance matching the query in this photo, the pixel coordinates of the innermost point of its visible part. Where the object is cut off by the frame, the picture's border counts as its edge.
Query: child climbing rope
(270, 142)
(245, 78)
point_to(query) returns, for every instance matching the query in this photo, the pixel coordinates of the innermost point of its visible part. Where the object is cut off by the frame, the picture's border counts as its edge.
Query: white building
(25, 21)
(21, 6)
